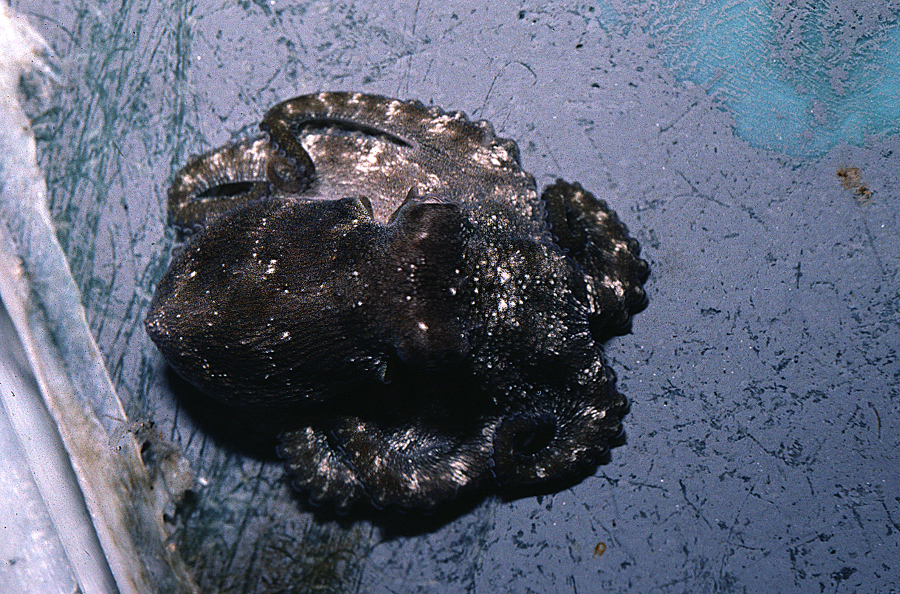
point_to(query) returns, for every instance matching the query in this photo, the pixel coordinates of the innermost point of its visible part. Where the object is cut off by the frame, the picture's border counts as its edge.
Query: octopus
(386, 280)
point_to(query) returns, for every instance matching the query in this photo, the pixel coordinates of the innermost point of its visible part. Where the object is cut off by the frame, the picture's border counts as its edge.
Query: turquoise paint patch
(798, 80)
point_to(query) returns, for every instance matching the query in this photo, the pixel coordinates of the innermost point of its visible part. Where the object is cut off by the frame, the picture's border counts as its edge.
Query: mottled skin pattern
(386, 277)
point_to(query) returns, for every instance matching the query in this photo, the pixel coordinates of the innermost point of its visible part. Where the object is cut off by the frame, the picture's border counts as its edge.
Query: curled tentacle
(593, 236)
(292, 170)
(219, 180)
(560, 432)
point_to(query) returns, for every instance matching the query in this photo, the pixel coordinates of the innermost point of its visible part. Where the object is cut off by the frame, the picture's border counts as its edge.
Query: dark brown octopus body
(385, 278)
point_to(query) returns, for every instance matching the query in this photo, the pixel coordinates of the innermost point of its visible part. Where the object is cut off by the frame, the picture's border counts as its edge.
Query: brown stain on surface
(851, 179)
(599, 550)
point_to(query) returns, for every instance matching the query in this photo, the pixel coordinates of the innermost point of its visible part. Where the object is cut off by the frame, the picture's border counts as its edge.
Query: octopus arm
(219, 180)
(593, 236)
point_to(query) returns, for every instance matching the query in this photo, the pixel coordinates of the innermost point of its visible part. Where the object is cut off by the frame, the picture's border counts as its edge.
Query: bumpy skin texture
(385, 277)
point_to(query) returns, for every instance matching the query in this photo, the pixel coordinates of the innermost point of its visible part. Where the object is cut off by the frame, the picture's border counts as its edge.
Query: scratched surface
(763, 436)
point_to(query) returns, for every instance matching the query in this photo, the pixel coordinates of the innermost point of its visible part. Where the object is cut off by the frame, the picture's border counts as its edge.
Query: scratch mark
(692, 505)
(487, 95)
(877, 418)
